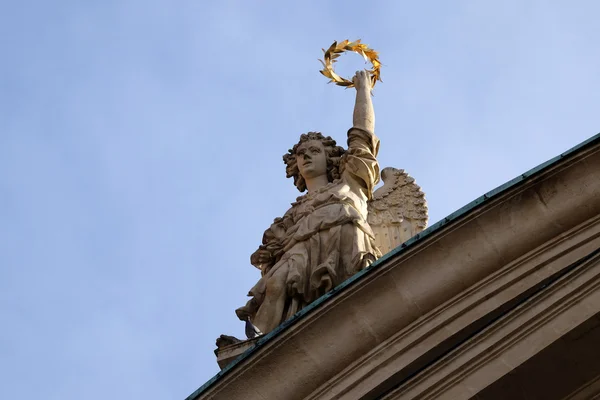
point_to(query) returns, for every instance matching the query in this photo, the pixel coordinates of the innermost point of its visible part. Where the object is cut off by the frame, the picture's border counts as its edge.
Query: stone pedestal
(226, 354)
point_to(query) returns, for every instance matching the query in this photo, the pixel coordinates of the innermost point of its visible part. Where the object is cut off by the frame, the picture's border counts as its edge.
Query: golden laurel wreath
(336, 49)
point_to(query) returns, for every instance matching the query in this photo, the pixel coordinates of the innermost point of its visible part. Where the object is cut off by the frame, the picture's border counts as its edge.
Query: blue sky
(141, 143)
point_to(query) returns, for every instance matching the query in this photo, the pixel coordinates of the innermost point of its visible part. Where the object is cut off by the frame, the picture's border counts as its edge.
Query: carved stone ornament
(398, 210)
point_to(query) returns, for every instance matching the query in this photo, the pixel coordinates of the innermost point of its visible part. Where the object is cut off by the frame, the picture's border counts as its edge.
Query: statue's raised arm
(359, 164)
(364, 116)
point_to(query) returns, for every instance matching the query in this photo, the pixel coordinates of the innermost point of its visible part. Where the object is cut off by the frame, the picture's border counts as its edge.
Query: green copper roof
(409, 243)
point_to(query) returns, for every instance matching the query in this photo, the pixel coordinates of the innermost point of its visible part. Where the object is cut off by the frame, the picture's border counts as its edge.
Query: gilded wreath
(336, 49)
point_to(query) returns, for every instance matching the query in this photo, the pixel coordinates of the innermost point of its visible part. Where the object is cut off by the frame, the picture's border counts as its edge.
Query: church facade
(500, 300)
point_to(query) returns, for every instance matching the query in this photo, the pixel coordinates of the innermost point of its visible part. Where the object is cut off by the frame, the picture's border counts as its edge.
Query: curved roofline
(461, 212)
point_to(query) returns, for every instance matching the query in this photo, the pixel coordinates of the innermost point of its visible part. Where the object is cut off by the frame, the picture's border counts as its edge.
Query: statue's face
(311, 159)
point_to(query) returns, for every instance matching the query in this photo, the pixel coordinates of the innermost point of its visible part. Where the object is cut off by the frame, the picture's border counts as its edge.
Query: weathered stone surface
(397, 211)
(229, 350)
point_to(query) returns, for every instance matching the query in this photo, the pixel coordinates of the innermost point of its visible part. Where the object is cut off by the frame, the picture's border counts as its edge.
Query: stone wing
(397, 211)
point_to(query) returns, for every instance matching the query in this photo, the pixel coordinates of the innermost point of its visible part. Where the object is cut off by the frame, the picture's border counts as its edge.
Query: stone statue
(325, 237)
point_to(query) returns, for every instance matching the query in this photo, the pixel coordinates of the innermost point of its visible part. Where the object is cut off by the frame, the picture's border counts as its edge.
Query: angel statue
(339, 226)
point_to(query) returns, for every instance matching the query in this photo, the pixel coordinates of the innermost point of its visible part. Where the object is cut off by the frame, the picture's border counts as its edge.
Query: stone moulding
(460, 318)
(512, 339)
(387, 324)
(587, 391)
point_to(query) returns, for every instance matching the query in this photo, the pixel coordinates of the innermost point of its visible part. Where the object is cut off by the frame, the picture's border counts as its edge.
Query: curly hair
(333, 153)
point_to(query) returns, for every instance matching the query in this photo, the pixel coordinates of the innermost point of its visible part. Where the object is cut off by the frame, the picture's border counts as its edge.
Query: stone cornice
(515, 337)
(461, 317)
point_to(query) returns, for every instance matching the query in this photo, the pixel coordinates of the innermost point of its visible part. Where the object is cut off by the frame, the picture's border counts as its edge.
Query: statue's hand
(362, 80)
